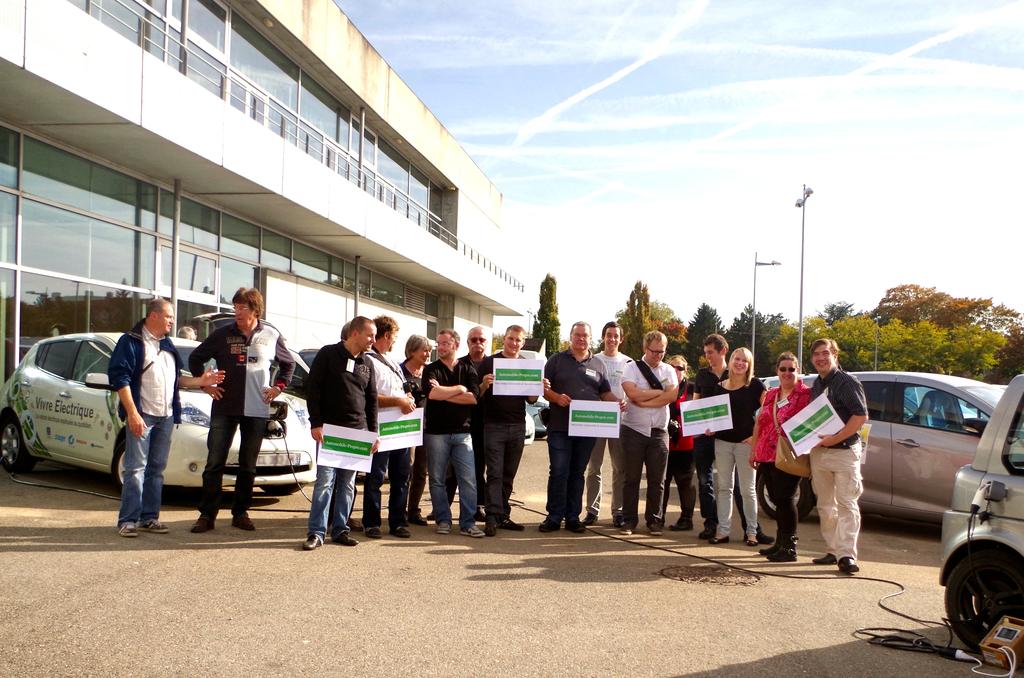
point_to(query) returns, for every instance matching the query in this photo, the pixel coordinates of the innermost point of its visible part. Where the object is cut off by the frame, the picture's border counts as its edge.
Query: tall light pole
(753, 313)
(802, 204)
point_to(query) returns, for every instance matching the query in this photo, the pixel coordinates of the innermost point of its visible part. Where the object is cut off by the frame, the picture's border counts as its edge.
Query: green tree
(833, 313)
(768, 328)
(1010, 358)
(546, 326)
(636, 320)
(814, 328)
(705, 321)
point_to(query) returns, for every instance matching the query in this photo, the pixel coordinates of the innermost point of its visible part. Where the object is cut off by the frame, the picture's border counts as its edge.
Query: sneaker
(848, 565)
(345, 539)
(548, 526)
(444, 528)
(202, 524)
(509, 524)
(655, 530)
(243, 522)
(313, 542)
(591, 519)
(154, 526)
(128, 530)
(472, 531)
(373, 532)
(402, 532)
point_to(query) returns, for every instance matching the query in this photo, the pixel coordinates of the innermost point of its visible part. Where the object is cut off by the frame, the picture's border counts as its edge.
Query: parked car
(534, 410)
(923, 428)
(983, 544)
(48, 412)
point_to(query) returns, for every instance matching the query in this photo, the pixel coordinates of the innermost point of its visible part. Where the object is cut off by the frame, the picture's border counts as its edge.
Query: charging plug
(980, 496)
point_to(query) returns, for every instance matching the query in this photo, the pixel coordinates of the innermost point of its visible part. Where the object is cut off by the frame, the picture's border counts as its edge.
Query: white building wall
(12, 31)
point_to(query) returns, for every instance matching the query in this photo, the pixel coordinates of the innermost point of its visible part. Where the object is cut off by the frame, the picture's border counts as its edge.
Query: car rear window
(59, 358)
(877, 393)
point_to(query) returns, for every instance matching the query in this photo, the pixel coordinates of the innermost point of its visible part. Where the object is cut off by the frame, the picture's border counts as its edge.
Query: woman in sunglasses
(780, 403)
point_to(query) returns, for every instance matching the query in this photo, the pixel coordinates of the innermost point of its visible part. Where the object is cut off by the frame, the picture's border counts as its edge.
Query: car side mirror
(98, 380)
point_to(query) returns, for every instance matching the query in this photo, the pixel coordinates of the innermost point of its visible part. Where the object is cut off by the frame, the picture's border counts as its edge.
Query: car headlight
(190, 414)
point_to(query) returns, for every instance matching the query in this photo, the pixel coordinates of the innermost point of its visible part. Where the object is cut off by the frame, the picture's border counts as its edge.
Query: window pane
(260, 61)
(91, 358)
(364, 282)
(419, 188)
(195, 273)
(339, 277)
(207, 19)
(388, 289)
(234, 274)
(8, 158)
(66, 178)
(318, 108)
(60, 358)
(277, 251)
(199, 224)
(8, 222)
(393, 167)
(239, 238)
(877, 393)
(8, 356)
(59, 240)
(309, 263)
(50, 307)
(430, 304)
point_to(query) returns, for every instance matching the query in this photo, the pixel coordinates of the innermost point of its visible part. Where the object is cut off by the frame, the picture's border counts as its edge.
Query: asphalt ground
(77, 599)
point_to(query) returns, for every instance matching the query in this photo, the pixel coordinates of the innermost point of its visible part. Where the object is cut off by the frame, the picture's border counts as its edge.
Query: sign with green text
(594, 419)
(346, 448)
(518, 377)
(707, 414)
(806, 428)
(400, 431)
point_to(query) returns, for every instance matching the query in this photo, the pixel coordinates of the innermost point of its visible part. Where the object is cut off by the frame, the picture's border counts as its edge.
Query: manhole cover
(709, 573)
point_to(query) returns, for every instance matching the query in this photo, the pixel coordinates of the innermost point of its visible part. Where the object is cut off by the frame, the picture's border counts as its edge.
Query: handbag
(786, 459)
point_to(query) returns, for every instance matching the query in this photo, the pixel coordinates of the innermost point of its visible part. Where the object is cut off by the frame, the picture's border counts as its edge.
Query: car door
(930, 444)
(877, 463)
(91, 411)
(45, 388)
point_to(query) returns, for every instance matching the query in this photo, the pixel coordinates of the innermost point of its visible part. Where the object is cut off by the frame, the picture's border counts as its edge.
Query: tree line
(913, 328)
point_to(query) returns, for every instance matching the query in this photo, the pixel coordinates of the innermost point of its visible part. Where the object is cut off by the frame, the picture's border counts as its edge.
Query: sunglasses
(477, 340)
(679, 368)
(787, 369)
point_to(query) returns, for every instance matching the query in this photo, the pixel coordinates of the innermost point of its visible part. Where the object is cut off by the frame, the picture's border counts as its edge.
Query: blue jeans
(396, 463)
(704, 460)
(218, 443)
(326, 478)
(145, 459)
(568, 456)
(458, 449)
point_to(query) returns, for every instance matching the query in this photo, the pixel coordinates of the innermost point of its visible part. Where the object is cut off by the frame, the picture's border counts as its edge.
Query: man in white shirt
(650, 385)
(145, 370)
(614, 364)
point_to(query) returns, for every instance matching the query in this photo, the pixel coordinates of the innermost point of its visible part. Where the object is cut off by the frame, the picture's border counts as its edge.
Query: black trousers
(782, 489)
(680, 471)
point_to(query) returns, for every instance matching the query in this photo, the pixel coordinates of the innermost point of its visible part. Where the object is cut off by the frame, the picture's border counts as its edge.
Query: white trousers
(837, 482)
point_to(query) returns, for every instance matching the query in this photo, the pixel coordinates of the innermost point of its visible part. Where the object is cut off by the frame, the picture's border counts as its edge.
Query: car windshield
(990, 393)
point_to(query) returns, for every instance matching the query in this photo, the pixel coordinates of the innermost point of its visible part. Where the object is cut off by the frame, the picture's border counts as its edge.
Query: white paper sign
(594, 418)
(806, 426)
(399, 431)
(520, 377)
(346, 448)
(714, 413)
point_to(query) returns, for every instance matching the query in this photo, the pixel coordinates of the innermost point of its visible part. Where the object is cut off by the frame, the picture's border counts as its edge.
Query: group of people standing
(473, 439)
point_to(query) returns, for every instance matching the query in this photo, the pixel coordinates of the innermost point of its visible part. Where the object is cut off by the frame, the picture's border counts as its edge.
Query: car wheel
(804, 498)
(13, 453)
(280, 490)
(117, 464)
(981, 590)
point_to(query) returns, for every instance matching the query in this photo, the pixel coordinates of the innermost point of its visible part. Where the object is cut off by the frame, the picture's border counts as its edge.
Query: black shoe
(719, 540)
(617, 521)
(313, 542)
(480, 515)
(681, 525)
(548, 526)
(827, 559)
(707, 533)
(345, 539)
(576, 527)
(417, 519)
(783, 555)
(590, 519)
(491, 527)
(848, 565)
(430, 517)
(509, 524)
(763, 538)
(402, 532)
(771, 550)
(373, 532)
(355, 524)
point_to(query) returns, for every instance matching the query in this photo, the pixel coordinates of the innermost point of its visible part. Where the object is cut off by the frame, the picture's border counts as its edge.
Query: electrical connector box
(1008, 633)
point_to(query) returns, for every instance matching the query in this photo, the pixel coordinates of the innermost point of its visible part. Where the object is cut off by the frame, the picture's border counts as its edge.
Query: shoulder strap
(648, 373)
(382, 360)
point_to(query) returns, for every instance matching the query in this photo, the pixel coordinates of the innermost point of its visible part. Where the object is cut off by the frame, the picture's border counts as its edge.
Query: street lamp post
(753, 313)
(802, 204)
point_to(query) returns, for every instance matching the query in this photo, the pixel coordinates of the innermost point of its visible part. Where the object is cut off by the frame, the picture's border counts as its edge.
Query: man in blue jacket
(144, 370)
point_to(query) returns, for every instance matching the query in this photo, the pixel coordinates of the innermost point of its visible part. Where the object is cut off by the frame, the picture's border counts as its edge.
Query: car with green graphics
(48, 411)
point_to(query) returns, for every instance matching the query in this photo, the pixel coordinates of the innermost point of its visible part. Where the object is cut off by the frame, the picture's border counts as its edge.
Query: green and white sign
(518, 377)
(346, 448)
(594, 419)
(806, 427)
(398, 431)
(706, 414)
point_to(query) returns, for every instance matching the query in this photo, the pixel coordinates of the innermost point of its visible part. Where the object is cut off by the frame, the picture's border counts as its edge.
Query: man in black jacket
(340, 390)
